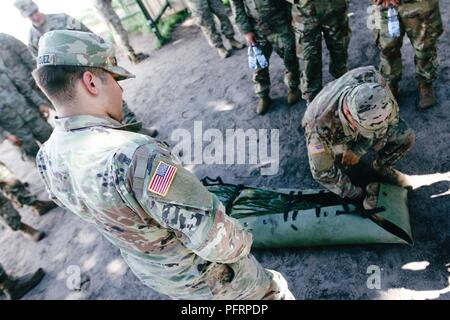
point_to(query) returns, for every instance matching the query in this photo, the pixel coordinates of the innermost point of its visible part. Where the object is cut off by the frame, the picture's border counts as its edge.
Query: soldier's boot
(136, 58)
(263, 105)
(42, 207)
(236, 44)
(371, 199)
(151, 132)
(31, 233)
(16, 288)
(294, 95)
(427, 98)
(394, 87)
(223, 52)
(391, 175)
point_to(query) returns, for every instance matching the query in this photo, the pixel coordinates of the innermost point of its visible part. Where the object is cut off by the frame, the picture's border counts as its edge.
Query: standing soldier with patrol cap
(204, 12)
(16, 287)
(42, 23)
(112, 20)
(267, 25)
(350, 116)
(171, 231)
(311, 20)
(421, 21)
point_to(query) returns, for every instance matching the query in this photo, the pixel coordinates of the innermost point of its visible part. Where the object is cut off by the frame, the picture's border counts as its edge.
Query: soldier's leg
(16, 288)
(390, 51)
(309, 34)
(217, 7)
(9, 215)
(400, 140)
(261, 76)
(14, 188)
(204, 18)
(423, 25)
(337, 34)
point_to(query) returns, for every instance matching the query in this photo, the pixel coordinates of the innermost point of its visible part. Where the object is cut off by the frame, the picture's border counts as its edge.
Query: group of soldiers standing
(271, 25)
(173, 233)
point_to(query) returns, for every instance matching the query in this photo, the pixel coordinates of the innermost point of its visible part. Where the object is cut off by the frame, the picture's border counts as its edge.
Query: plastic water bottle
(393, 23)
(256, 59)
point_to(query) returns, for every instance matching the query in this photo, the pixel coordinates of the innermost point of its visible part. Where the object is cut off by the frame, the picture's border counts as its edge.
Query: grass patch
(167, 25)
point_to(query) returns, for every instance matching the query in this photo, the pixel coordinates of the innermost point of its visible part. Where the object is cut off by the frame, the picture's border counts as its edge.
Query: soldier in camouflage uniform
(421, 21)
(15, 288)
(112, 20)
(311, 19)
(19, 118)
(267, 24)
(42, 23)
(204, 12)
(350, 116)
(171, 231)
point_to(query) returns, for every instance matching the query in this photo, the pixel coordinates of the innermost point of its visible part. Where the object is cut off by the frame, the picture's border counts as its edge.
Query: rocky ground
(186, 81)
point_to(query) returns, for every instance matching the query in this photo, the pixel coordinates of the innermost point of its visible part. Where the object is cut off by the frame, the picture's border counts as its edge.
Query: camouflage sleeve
(74, 24)
(29, 92)
(33, 44)
(361, 146)
(42, 167)
(182, 204)
(242, 19)
(324, 169)
(23, 52)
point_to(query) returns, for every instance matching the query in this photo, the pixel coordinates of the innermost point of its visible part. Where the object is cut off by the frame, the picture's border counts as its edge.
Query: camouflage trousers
(112, 20)
(204, 12)
(3, 275)
(8, 214)
(311, 21)
(421, 22)
(325, 165)
(13, 188)
(128, 115)
(27, 124)
(283, 42)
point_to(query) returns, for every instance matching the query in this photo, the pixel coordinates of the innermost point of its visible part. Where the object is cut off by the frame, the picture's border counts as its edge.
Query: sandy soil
(186, 81)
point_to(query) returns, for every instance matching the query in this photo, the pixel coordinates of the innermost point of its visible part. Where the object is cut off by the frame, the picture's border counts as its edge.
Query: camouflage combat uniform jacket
(327, 136)
(182, 244)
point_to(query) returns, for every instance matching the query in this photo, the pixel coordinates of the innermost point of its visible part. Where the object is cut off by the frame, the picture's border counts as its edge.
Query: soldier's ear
(90, 83)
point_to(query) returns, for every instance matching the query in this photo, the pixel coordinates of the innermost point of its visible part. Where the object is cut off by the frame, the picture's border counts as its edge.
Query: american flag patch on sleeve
(162, 179)
(316, 148)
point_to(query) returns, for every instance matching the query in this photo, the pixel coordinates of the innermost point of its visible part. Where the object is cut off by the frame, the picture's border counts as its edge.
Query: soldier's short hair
(58, 82)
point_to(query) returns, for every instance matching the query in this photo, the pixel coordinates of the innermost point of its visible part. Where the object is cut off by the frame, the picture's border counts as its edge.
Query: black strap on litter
(363, 212)
(207, 181)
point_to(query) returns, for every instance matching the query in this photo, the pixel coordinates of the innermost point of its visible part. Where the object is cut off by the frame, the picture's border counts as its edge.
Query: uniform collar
(87, 121)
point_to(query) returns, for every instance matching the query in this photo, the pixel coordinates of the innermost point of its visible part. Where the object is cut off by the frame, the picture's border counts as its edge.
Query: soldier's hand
(349, 158)
(14, 140)
(386, 3)
(44, 110)
(251, 38)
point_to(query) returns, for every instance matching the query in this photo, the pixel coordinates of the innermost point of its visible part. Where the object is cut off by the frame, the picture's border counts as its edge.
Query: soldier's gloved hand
(349, 158)
(14, 140)
(251, 38)
(44, 110)
(386, 3)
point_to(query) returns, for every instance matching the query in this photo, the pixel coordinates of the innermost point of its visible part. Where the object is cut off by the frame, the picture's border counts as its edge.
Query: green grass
(167, 26)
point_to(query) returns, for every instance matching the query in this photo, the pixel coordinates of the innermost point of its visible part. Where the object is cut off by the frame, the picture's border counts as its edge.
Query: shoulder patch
(162, 179)
(316, 148)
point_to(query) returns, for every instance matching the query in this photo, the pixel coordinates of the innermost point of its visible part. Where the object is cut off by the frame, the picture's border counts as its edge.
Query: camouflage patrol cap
(26, 7)
(77, 48)
(370, 105)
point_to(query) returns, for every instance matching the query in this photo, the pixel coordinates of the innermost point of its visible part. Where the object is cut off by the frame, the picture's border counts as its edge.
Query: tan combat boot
(16, 288)
(136, 58)
(223, 52)
(294, 95)
(42, 207)
(391, 175)
(236, 44)
(427, 98)
(31, 233)
(263, 105)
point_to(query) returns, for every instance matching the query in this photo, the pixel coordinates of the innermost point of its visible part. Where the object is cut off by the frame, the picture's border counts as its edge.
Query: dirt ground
(186, 81)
